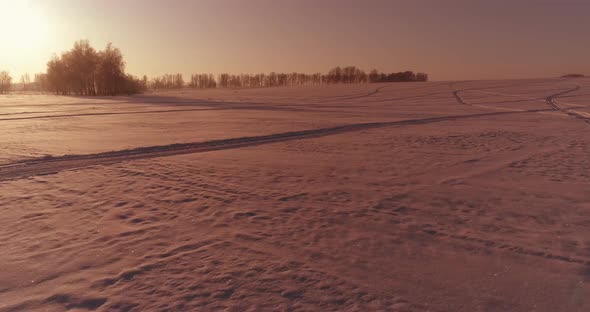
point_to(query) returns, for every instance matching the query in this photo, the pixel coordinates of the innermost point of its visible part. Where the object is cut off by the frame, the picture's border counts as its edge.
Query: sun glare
(23, 24)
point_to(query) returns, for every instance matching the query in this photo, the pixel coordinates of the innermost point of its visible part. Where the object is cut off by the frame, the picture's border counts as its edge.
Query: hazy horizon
(454, 40)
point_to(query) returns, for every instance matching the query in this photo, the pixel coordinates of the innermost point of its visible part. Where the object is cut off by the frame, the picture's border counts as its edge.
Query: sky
(450, 39)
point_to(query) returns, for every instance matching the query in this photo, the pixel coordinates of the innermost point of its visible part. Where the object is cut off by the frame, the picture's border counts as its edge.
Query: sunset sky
(450, 40)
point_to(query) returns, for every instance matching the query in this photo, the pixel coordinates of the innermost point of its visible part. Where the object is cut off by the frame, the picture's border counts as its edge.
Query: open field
(438, 196)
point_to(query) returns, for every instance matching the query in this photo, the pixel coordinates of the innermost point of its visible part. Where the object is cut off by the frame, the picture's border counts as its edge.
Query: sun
(23, 25)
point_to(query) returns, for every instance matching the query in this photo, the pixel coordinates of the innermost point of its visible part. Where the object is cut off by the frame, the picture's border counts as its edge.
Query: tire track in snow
(507, 247)
(50, 165)
(462, 101)
(551, 101)
(205, 109)
(358, 96)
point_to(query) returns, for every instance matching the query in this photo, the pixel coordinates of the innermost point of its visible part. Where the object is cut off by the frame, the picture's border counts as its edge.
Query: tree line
(346, 75)
(86, 71)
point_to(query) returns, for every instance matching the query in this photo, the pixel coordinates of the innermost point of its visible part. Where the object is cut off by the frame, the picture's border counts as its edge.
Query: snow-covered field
(464, 196)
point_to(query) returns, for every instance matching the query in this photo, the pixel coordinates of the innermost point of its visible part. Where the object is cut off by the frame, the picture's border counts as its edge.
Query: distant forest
(86, 71)
(347, 75)
(573, 76)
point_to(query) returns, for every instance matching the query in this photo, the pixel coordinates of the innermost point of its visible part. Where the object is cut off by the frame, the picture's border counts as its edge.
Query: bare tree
(85, 71)
(5, 82)
(40, 82)
(25, 80)
(110, 71)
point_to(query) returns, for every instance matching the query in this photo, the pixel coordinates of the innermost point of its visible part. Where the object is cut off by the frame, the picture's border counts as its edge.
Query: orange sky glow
(450, 40)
